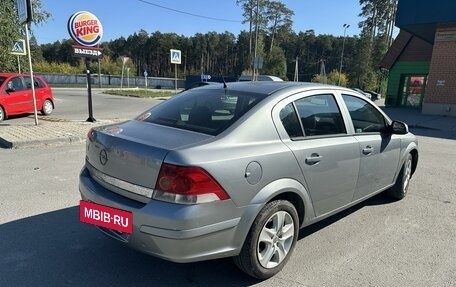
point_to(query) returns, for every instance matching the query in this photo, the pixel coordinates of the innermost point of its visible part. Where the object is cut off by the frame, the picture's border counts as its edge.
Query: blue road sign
(24, 11)
(18, 48)
(175, 56)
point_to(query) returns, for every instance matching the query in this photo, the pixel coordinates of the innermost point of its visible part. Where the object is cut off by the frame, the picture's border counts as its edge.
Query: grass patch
(140, 93)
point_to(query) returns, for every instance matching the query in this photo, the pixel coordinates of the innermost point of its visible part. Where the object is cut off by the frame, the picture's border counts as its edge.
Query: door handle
(367, 150)
(313, 159)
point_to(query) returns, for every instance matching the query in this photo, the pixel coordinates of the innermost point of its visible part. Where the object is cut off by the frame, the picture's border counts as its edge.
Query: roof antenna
(223, 79)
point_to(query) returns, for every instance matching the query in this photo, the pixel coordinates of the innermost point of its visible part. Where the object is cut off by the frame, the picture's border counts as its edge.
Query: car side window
(16, 84)
(291, 122)
(365, 117)
(320, 115)
(313, 116)
(38, 83)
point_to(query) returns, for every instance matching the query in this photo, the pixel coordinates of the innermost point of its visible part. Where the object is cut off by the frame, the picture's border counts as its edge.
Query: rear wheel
(271, 240)
(47, 108)
(400, 188)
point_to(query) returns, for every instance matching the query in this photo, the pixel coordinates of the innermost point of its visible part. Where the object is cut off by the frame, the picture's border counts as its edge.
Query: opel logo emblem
(103, 157)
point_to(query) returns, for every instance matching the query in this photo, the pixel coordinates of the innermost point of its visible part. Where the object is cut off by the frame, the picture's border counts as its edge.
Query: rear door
(40, 91)
(327, 155)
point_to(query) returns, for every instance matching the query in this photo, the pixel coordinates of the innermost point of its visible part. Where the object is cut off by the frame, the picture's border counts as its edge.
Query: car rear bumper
(178, 233)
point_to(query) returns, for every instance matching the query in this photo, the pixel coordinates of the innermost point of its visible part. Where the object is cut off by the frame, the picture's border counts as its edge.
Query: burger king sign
(85, 28)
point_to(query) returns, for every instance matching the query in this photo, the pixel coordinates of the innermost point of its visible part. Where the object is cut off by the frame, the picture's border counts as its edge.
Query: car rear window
(2, 79)
(209, 111)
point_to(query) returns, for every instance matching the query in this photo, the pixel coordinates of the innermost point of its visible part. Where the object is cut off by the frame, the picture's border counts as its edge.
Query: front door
(379, 151)
(17, 98)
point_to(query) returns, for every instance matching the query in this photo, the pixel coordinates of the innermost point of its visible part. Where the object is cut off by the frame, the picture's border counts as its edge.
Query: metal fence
(106, 81)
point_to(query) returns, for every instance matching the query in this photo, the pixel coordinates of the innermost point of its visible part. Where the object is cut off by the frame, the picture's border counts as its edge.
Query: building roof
(422, 18)
(408, 48)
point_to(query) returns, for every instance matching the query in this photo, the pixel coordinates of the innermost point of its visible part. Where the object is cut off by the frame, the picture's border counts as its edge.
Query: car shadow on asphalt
(55, 249)
(379, 199)
(434, 133)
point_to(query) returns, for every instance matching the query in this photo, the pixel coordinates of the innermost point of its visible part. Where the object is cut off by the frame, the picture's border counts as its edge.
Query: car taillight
(187, 185)
(90, 134)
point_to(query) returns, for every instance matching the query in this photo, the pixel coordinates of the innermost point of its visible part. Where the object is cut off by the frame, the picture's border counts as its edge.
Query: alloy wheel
(47, 108)
(275, 240)
(408, 174)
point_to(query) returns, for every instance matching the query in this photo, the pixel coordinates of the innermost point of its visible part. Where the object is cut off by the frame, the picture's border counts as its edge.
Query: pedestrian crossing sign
(175, 56)
(18, 48)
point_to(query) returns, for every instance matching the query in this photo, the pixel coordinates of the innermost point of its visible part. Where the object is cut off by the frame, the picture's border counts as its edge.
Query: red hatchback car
(16, 95)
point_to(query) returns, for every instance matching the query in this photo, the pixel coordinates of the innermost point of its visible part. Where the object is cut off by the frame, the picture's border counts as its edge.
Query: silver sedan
(237, 170)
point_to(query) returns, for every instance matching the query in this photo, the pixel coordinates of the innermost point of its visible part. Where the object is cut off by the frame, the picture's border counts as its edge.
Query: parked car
(248, 78)
(186, 182)
(200, 84)
(374, 95)
(16, 95)
(367, 95)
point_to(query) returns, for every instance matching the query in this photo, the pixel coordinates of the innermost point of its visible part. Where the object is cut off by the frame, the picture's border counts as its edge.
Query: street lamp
(128, 76)
(342, 56)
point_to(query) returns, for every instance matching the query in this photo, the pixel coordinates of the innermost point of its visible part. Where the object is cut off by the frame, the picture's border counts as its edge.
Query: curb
(50, 133)
(35, 143)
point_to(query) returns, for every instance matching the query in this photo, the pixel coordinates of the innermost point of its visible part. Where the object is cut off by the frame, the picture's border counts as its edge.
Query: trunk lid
(126, 158)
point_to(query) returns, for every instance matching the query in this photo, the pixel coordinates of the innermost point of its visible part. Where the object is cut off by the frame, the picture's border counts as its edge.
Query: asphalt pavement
(57, 131)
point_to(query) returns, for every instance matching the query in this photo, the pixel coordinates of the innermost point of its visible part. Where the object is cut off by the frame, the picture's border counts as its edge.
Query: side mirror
(9, 90)
(399, 128)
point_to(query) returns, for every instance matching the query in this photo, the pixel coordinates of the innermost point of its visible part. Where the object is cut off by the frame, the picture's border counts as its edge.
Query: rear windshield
(2, 79)
(209, 111)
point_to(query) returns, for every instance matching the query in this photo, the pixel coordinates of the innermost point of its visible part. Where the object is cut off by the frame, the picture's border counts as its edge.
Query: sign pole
(86, 49)
(175, 59)
(89, 92)
(31, 72)
(18, 64)
(121, 78)
(175, 78)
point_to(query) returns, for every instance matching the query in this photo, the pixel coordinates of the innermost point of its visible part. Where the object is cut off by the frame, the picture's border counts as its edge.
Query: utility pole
(296, 77)
(323, 71)
(256, 39)
(342, 55)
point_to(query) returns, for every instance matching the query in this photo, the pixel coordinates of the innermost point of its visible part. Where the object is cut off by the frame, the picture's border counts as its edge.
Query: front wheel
(400, 188)
(48, 107)
(271, 240)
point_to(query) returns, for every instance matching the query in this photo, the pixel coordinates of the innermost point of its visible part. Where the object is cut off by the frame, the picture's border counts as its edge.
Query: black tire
(47, 108)
(282, 238)
(400, 188)
(2, 114)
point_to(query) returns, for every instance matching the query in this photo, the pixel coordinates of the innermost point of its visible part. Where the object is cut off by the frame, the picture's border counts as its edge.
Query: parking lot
(376, 243)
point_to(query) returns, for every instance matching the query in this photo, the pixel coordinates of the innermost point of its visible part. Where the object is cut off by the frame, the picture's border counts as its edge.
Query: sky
(124, 18)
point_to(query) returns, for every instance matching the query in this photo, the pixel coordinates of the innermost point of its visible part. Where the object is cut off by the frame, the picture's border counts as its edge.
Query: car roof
(270, 87)
(9, 74)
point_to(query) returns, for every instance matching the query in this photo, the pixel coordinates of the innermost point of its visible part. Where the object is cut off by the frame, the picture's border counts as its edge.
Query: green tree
(275, 63)
(10, 30)
(255, 15)
(279, 19)
(136, 44)
(331, 79)
(375, 39)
